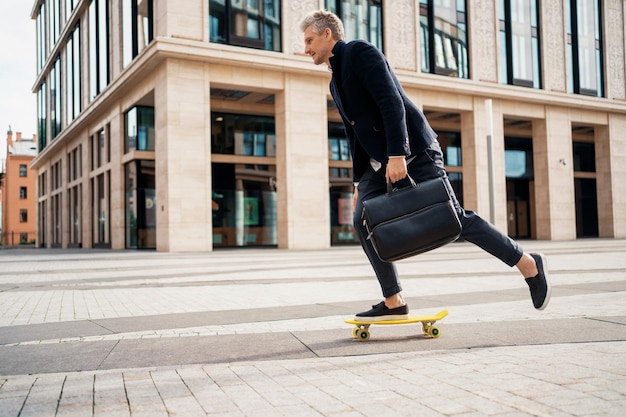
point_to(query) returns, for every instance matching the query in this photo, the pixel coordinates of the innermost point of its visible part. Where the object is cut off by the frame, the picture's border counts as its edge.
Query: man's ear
(328, 33)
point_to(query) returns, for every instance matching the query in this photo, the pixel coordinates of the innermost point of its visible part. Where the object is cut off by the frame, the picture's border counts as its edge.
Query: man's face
(318, 46)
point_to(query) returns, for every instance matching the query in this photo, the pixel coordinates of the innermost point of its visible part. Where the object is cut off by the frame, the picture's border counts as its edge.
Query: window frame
(337, 7)
(129, 11)
(228, 35)
(428, 28)
(508, 35)
(574, 49)
(99, 47)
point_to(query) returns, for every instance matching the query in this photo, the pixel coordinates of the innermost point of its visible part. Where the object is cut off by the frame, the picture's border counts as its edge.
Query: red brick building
(19, 191)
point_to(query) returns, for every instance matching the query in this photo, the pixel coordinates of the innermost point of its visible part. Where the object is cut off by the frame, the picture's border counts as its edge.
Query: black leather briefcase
(411, 220)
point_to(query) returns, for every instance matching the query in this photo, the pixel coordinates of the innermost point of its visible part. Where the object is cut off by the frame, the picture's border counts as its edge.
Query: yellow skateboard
(361, 329)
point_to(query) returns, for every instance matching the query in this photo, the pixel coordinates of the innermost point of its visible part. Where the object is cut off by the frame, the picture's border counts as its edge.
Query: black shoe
(539, 284)
(380, 312)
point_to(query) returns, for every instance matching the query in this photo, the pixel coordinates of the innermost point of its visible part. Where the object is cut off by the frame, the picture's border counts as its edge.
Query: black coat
(379, 119)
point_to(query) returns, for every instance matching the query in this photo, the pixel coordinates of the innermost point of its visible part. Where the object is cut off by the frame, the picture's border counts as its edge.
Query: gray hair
(320, 20)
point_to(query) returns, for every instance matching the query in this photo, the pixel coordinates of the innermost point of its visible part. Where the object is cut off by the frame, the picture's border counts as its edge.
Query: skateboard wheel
(434, 332)
(363, 335)
(425, 328)
(356, 331)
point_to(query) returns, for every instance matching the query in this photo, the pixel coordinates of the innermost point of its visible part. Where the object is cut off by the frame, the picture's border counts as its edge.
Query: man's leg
(371, 185)
(484, 235)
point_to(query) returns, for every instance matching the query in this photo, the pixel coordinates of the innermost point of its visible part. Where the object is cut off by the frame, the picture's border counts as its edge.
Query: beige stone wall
(483, 36)
(302, 164)
(401, 34)
(610, 154)
(553, 44)
(183, 158)
(614, 49)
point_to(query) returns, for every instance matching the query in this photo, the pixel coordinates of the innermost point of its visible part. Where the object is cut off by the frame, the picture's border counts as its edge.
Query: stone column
(117, 197)
(475, 150)
(554, 176)
(614, 21)
(183, 157)
(610, 147)
(302, 163)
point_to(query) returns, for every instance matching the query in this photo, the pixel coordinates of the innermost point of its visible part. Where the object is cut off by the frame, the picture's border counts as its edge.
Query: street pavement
(261, 332)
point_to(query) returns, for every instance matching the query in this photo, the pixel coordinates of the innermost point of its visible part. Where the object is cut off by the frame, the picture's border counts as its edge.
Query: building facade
(18, 192)
(197, 124)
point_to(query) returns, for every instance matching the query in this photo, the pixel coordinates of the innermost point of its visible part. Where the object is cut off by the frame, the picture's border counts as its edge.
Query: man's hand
(355, 196)
(396, 169)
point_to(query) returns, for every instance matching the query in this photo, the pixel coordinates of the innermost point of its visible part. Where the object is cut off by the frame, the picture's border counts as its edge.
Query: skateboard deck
(361, 329)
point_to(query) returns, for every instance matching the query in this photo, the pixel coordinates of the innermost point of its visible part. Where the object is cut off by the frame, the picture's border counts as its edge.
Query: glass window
(139, 129)
(584, 47)
(41, 36)
(362, 19)
(451, 146)
(341, 187)
(338, 150)
(74, 164)
(23, 193)
(54, 22)
(251, 23)
(41, 116)
(23, 216)
(73, 76)
(137, 27)
(74, 197)
(518, 158)
(69, 7)
(100, 149)
(584, 157)
(55, 98)
(244, 191)
(98, 46)
(235, 134)
(140, 204)
(23, 170)
(519, 36)
(244, 205)
(444, 37)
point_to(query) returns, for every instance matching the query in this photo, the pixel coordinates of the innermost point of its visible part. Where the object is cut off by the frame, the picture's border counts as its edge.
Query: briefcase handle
(391, 189)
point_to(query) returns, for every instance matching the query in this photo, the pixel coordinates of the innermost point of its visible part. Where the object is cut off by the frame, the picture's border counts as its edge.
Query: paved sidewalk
(260, 332)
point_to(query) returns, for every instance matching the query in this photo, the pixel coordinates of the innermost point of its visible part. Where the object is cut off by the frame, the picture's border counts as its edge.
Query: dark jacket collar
(336, 51)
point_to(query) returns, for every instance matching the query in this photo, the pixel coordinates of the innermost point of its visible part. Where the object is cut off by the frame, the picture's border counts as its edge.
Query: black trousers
(426, 165)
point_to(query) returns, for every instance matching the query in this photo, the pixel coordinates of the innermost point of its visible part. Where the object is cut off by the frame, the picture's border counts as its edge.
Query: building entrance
(518, 156)
(585, 185)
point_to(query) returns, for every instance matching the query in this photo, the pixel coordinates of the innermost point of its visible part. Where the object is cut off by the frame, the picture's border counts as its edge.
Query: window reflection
(137, 27)
(139, 129)
(584, 39)
(55, 99)
(250, 23)
(235, 134)
(98, 47)
(519, 34)
(362, 19)
(444, 37)
(244, 185)
(140, 204)
(73, 76)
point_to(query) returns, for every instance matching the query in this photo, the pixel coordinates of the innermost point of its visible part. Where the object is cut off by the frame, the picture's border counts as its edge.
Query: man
(390, 138)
